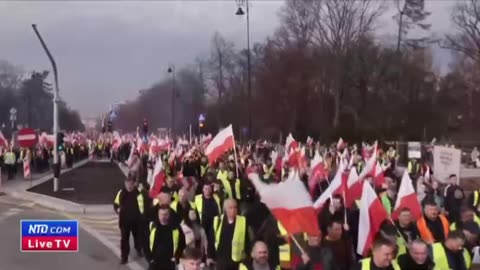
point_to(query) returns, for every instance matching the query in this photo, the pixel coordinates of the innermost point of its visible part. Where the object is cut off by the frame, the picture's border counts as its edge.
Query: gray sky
(107, 51)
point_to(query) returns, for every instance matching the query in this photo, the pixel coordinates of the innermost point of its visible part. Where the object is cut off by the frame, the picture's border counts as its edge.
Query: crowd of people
(212, 210)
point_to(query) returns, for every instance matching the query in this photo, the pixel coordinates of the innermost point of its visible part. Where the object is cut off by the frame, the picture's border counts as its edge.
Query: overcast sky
(107, 51)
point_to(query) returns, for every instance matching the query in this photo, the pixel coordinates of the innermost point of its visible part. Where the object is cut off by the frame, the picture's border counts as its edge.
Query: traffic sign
(27, 137)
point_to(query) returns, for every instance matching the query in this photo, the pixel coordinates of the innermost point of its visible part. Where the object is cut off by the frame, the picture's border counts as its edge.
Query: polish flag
(426, 176)
(302, 159)
(318, 172)
(355, 185)
(290, 143)
(117, 140)
(223, 142)
(341, 144)
(290, 203)
(379, 177)
(3, 141)
(309, 141)
(372, 215)
(335, 187)
(407, 198)
(158, 178)
(293, 158)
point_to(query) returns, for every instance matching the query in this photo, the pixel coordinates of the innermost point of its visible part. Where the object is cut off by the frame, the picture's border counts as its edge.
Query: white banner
(446, 161)
(414, 150)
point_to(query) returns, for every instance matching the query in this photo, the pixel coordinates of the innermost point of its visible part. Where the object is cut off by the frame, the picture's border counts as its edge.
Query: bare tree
(412, 15)
(466, 18)
(339, 25)
(221, 61)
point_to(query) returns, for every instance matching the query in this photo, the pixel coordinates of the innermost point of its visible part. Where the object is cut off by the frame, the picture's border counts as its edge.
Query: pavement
(92, 254)
(91, 184)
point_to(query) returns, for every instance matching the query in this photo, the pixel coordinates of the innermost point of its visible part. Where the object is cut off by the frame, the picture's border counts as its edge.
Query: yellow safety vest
(475, 198)
(9, 158)
(175, 238)
(140, 201)
(386, 203)
(203, 170)
(411, 169)
(440, 257)
(222, 175)
(244, 267)
(268, 172)
(239, 234)
(453, 227)
(366, 264)
(174, 205)
(284, 250)
(402, 246)
(228, 189)
(199, 204)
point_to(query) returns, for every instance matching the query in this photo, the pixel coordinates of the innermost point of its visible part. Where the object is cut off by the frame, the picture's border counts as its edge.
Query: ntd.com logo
(49, 235)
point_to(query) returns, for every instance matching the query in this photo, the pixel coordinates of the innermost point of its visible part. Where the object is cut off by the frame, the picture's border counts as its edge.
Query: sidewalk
(17, 188)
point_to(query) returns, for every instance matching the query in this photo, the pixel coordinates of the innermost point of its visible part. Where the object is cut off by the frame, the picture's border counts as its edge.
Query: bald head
(260, 253)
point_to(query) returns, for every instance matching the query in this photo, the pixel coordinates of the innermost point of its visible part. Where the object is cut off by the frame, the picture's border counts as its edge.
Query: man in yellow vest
(451, 254)
(166, 242)
(9, 161)
(232, 186)
(231, 238)
(259, 259)
(182, 206)
(416, 257)
(129, 204)
(382, 257)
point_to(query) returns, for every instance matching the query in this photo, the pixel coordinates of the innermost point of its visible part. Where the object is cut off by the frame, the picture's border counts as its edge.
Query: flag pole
(297, 244)
(235, 154)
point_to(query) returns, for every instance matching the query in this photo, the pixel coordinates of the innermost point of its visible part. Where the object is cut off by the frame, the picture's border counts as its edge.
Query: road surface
(92, 254)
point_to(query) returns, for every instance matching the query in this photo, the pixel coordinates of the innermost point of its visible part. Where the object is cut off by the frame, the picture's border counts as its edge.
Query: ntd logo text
(45, 229)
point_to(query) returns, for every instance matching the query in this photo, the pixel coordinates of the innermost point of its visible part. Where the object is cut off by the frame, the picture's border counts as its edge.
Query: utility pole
(56, 165)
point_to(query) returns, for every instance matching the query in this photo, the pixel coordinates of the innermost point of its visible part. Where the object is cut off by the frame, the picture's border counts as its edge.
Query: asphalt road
(92, 183)
(92, 255)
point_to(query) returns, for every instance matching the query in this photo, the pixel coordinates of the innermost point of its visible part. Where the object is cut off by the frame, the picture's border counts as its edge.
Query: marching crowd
(208, 214)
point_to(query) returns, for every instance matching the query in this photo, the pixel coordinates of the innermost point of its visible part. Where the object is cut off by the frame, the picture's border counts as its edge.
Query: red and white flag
(407, 198)
(290, 203)
(341, 144)
(335, 187)
(372, 215)
(158, 178)
(223, 142)
(318, 172)
(3, 141)
(290, 143)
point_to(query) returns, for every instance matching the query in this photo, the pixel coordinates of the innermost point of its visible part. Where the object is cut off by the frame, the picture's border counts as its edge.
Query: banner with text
(446, 161)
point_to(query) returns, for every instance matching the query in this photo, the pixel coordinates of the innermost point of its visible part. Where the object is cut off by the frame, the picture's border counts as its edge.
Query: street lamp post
(56, 166)
(171, 69)
(249, 80)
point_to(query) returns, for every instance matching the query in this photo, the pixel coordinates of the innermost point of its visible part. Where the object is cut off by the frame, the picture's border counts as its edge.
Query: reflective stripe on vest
(238, 240)
(284, 250)
(174, 205)
(140, 202)
(366, 264)
(228, 189)
(425, 232)
(175, 238)
(440, 257)
(199, 204)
